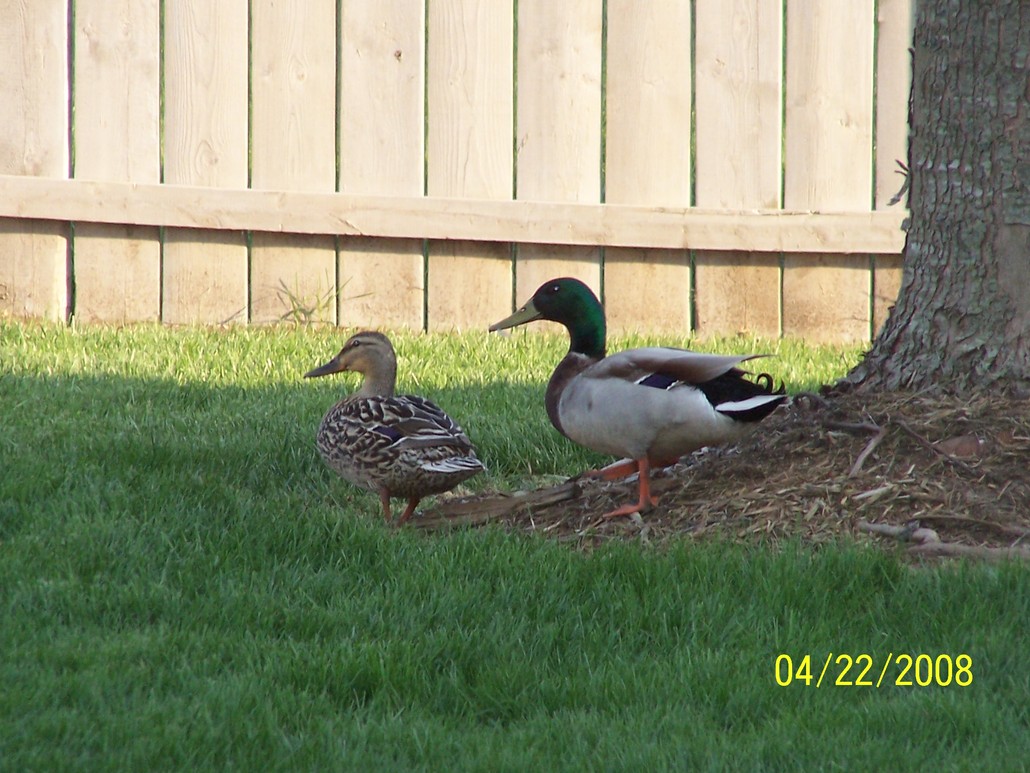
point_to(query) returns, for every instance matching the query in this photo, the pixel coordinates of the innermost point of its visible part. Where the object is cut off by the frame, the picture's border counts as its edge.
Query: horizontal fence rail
(524, 222)
(711, 166)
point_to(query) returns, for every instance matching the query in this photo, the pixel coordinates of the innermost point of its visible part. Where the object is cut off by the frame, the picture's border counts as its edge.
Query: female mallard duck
(651, 405)
(395, 445)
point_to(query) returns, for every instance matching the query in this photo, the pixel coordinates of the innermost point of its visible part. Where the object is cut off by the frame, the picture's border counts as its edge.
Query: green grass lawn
(185, 586)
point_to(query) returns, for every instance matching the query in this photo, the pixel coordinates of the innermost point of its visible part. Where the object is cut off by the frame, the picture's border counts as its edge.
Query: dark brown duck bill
(333, 366)
(527, 313)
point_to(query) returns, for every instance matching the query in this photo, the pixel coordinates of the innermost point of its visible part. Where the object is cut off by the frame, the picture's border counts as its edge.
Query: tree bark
(962, 318)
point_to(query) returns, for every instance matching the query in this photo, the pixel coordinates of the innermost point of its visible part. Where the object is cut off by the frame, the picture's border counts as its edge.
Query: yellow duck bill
(527, 313)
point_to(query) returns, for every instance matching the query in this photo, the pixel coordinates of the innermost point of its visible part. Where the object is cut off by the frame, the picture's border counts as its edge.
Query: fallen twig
(910, 532)
(931, 447)
(1015, 531)
(850, 426)
(925, 542)
(881, 433)
(873, 494)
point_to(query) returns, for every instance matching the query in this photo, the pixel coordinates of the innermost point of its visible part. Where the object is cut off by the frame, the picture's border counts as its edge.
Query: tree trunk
(962, 318)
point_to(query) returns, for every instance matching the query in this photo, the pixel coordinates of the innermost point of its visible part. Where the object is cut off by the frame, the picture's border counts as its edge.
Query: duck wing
(661, 366)
(389, 425)
(411, 422)
(716, 376)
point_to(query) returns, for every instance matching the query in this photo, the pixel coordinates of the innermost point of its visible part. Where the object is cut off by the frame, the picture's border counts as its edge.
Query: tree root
(925, 542)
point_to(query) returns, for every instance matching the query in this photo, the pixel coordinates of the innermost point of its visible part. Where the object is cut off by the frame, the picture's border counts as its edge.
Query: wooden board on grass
(34, 93)
(470, 102)
(293, 147)
(117, 137)
(647, 158)
(739, 136)
(828, 164)
(382, 109)
(558, 128)
(205, 78)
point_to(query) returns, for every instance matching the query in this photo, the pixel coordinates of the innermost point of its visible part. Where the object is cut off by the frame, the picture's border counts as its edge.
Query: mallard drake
(650, 405)
(395, 445)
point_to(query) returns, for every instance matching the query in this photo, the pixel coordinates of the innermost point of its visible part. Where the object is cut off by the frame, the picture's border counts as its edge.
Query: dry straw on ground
(940, 475)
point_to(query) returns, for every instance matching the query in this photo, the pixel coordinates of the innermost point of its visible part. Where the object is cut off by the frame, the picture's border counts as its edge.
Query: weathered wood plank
(893, 81)
(828, 164)
(471, 104)
(382, 152)
(293, 147)
(739, 56)
(647, 159)
(293, 278)
(738, 293)
(558, 134)
(469, 284)
(117, 137)
(647, 290)
(33, 268)
(205, 272)
(34, 93)
(470, 219)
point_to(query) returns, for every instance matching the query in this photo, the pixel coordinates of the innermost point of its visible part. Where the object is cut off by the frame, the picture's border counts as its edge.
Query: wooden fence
(719, 166)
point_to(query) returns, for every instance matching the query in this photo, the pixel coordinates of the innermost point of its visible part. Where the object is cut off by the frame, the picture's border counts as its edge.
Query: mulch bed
(944, 476)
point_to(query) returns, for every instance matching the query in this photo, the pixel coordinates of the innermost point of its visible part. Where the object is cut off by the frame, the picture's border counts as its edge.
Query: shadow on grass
(153, 445)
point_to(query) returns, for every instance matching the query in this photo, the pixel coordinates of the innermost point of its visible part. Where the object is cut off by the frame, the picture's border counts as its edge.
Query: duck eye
(555, 288)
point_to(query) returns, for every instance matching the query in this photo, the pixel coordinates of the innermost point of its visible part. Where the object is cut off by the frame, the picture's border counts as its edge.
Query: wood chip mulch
(936, 475)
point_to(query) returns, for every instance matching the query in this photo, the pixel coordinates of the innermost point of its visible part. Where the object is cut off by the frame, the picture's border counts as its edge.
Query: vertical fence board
(469, 80)
(739, 56)
(647, 157)
(293, 147)
(117, 137)
(205, 272)
(893, 81)
(34, 141)
(382, 152)
(558, 135)
(828, 163)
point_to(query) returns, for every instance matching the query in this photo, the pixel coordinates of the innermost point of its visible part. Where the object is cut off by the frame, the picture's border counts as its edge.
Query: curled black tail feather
(766, 382)
(734, 385)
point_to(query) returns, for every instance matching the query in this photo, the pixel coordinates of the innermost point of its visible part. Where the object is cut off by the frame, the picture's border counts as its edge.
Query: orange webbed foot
(636, 507)
(646, 500)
